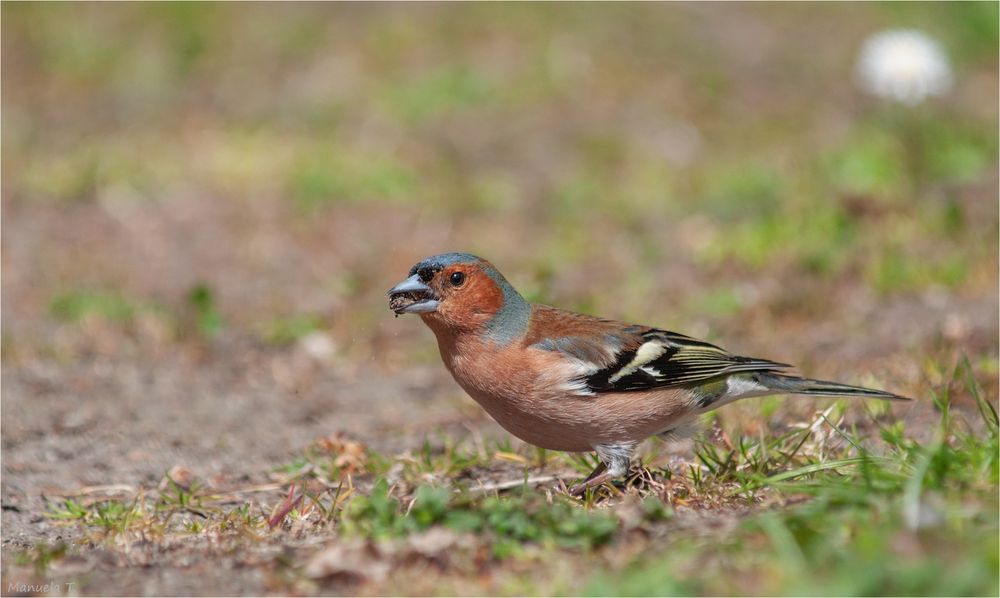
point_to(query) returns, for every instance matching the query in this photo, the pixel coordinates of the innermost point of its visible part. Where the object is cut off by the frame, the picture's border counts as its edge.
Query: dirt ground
(149, 315)
(104, 413)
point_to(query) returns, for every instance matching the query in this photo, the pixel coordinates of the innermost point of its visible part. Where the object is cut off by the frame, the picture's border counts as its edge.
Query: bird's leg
(599, 472)
(596, 478)
(614, 464)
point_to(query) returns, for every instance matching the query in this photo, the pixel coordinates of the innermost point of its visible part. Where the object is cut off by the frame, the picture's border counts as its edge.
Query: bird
(566, 381)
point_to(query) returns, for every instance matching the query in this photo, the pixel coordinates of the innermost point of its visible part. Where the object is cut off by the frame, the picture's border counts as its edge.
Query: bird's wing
(616, 357)
(666, 359)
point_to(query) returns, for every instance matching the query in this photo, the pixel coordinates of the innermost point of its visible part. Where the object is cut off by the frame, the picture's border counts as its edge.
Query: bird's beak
(412, 296)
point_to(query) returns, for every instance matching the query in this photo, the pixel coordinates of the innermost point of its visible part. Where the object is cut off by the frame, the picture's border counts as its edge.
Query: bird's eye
(457, 278)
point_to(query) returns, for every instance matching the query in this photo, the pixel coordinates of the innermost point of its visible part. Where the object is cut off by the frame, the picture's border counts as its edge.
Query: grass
(77, 305)
(639, 163)
(871, 526)
(915, 518)
(289, 329)
(506, 524)
(817, 508)
(199, 317)
(883, 197)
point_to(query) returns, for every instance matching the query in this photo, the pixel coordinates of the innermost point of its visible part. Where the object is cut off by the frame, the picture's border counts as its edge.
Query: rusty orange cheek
(472, 305)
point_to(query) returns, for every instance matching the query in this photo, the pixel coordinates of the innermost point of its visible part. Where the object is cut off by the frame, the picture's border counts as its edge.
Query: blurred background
(204, 204)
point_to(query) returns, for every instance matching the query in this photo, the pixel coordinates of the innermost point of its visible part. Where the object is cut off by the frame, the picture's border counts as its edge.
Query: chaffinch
(572, 382)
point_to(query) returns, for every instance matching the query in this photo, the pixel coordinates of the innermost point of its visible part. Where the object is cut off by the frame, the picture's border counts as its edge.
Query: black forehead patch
(428, 267)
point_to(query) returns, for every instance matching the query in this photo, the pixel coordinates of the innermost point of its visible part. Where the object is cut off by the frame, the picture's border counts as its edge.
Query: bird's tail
(783, 383)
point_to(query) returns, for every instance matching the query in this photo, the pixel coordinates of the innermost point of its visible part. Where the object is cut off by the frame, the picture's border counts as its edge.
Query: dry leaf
(348, 455)
(434, 542)
(354, 560)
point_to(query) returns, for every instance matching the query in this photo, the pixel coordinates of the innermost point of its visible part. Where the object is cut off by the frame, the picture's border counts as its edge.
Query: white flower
(903, 65)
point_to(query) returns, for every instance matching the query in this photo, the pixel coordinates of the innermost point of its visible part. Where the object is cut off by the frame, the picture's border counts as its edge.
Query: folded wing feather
(633, 358)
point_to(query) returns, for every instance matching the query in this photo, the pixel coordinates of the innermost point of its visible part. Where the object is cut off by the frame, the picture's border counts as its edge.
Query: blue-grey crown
(439, 262)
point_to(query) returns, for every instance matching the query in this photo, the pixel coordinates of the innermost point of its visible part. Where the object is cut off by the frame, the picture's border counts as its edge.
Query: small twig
(104, 489)
(497, 486)
(233, 496)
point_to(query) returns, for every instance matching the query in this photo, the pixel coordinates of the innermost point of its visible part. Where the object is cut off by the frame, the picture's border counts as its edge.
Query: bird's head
(460, 292)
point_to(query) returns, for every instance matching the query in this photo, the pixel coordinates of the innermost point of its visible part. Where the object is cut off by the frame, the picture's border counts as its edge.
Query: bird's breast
(514, 391)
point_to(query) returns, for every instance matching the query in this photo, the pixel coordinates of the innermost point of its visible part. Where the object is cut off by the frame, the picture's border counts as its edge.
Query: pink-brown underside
(522, 387)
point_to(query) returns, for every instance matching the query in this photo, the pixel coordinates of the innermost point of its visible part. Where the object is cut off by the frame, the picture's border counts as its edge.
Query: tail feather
(804, 386)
